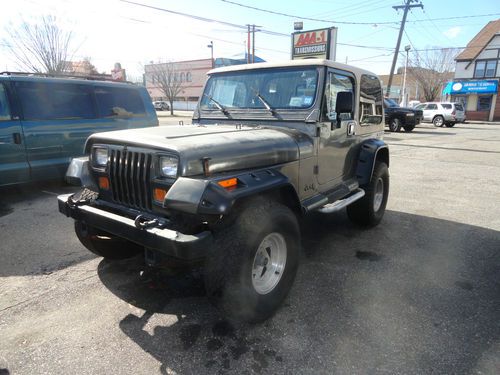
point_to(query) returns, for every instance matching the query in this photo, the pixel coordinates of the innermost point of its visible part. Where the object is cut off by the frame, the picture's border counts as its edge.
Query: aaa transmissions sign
(318, 44)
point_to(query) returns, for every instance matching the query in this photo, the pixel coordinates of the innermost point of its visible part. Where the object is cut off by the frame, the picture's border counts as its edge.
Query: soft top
(292, 63)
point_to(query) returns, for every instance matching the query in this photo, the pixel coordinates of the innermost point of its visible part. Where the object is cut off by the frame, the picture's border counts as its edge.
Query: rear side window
(447, 106)
(55, 101)
(459, 107)
(370, 100)
(4, 104)
(119, 102)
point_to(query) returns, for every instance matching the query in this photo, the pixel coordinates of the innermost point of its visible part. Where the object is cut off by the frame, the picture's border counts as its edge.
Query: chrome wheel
(269, 263)
(438, 121)
(379, 195)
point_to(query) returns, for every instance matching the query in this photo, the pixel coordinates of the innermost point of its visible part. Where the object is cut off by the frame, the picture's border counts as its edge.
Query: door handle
(351, 128)
(17, 138)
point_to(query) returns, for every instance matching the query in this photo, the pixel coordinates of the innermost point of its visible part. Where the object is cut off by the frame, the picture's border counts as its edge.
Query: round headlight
(100, 157)
(168, 166)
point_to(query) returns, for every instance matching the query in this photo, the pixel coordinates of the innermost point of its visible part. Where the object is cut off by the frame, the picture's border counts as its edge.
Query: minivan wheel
(105, 244)
(253, 263)
(438, 121)
(394, 125)
(369, 210)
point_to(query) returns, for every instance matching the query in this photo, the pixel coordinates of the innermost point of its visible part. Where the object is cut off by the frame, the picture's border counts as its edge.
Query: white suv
(440, 114)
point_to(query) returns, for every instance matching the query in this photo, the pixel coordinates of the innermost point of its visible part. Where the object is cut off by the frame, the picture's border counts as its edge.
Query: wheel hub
(269, 263)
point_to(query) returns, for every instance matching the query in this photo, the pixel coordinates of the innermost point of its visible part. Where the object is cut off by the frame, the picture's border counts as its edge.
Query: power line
(303, 18)
(352, 23)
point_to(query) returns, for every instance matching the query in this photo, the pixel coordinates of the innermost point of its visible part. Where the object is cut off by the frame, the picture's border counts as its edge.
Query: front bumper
(170, 242)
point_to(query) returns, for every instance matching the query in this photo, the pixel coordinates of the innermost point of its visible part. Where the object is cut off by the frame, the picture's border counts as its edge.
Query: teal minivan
(44, 121)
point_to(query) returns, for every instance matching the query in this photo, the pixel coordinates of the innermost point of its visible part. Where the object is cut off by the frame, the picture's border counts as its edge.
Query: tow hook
(143, 222)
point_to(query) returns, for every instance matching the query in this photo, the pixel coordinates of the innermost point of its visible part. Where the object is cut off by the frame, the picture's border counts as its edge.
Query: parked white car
(443, 113)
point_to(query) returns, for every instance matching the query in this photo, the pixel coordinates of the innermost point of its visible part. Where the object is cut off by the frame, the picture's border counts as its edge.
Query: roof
(293, 63)
(480, 41)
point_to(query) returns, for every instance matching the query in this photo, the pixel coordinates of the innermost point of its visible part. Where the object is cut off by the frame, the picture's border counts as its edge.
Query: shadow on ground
(35, 239)
(414, 295)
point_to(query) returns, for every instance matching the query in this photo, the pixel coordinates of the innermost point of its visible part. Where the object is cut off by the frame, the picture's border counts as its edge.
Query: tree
(431, 70)
(40, 47)
(168, 80)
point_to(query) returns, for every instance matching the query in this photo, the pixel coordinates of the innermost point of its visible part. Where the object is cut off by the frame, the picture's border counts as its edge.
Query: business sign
(472, 87)
(319, 44)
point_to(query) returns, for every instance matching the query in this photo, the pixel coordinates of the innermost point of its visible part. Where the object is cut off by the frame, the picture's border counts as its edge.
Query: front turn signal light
(159, 195)
(229, 183)
(104, 183)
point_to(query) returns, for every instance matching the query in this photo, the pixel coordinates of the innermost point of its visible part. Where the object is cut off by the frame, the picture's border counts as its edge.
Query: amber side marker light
(229, 183)
(104, 183)
(159, 194)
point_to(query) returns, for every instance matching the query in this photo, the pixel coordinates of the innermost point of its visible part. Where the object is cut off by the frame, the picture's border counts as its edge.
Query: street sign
(320, 44)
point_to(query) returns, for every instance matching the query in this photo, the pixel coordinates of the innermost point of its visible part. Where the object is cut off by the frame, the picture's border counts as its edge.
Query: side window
(118, 102)
(336, 83)
(432, 106)
(4, 104)
(370, 100)
(55, 101)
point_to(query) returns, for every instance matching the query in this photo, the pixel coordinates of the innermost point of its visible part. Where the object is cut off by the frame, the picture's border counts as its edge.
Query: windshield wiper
(266, 104)
(219, 106)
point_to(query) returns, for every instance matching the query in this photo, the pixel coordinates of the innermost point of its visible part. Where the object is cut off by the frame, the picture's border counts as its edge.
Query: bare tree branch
(432, 69)
(168, 80)
(41, 47)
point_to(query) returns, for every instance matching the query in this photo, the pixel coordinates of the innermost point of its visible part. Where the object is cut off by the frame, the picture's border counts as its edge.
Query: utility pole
(248, 43)
(406, 7)
(253, 43)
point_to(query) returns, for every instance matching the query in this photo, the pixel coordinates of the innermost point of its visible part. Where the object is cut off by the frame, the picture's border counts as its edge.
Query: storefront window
(484, 103)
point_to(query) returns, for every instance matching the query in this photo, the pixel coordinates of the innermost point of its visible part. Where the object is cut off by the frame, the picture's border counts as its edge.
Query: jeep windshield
(261, 90)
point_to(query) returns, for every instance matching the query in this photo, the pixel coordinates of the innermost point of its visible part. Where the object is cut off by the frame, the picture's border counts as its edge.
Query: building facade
(191, 75)
(477, 74)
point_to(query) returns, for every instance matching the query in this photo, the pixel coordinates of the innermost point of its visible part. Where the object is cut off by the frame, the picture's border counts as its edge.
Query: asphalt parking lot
(419, 294)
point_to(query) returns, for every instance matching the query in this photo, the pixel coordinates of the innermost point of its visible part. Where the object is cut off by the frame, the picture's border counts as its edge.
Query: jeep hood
(229, 147)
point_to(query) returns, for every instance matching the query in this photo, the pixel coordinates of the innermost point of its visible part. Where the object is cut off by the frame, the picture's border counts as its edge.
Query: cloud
(453, 32)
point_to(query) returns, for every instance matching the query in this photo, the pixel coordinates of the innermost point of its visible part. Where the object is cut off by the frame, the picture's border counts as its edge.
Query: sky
(109, 31)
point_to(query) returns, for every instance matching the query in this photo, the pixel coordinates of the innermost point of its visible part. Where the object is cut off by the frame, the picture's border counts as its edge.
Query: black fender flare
(207, 197)
(371, 150)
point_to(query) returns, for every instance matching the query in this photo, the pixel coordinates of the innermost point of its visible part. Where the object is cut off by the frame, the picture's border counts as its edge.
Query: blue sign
(471, 87)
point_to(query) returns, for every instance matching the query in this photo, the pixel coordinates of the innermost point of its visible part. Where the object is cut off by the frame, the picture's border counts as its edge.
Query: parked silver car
(161, 105)
(443, 113)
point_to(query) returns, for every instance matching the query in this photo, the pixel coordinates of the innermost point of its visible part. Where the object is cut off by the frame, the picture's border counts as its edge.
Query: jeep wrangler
(269, 143)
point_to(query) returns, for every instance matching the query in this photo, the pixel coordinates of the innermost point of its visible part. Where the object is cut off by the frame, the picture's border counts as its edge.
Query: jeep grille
(130, 173)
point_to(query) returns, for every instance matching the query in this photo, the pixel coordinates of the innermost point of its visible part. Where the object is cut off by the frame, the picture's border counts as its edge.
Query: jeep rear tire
(105, 244)
(254, 261)
(409, 128)
(369, 210)
(394, 124)
(450, 124)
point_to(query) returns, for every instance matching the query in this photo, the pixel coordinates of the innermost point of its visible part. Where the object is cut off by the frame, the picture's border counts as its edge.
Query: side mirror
(344, 103)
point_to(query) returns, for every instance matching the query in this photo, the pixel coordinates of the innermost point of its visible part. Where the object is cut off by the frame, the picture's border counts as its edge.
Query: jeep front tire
(254, 261)
(369, 210)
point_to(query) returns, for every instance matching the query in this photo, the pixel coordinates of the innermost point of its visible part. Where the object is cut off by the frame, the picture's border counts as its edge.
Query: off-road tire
(438, 121)
(450, 124)
(105, 244)
(363, 212)
(409, 128)
(394, 124)
(229, 267)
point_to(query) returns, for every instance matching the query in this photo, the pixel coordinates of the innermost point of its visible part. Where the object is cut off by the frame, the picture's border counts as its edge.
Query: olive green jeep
(269, 143)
